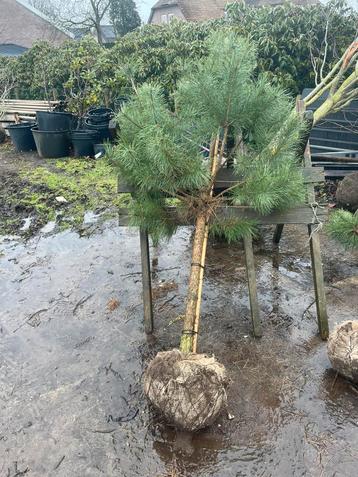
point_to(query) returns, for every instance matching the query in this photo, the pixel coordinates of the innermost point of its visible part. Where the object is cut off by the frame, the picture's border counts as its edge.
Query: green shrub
(85, 73)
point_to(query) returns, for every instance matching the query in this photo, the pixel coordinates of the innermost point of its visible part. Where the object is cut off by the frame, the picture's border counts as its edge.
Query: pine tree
(124, 16)
(219, 100)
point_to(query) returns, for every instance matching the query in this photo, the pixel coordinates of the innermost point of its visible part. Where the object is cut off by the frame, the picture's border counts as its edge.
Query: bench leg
(317, 270)
(251, 278)
(278, 232)
(146, 282)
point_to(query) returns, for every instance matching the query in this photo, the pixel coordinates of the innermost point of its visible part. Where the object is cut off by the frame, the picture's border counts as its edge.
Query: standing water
(73, 351)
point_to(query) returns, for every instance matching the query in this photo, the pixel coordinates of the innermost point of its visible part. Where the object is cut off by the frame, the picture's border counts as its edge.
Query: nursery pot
(120, 102)
(83, 142)
(54, 121)
(100, 115)
(102, 129)
(21, 136)
(51, 144)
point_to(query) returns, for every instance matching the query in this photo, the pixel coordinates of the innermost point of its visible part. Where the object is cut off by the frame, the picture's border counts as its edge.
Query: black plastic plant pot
(102, 129)
(120, 102)
(83, 147)
(52, 144)
(54, 121)
(100, 111)
(21, 136)
(99, 115)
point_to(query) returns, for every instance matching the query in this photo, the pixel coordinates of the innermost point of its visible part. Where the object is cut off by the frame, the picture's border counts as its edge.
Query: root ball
(189, 389)
(347, 192)
(343, 349)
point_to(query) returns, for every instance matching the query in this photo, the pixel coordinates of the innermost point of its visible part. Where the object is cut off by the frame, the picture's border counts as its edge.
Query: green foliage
(124, 16)
(343, 226)
(233, 229)
(82, 86)
(289, 35)
(71, 72)
(155, 53)
(159, 151)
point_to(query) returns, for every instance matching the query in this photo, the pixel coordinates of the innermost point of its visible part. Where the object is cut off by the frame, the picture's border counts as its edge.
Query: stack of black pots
(97, 119)
(52, 133)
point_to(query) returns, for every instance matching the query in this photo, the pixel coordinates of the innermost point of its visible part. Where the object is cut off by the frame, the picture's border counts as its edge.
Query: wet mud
(73, 350)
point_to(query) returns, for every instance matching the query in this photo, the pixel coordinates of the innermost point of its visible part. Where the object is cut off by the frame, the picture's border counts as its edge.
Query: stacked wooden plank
(16, 110)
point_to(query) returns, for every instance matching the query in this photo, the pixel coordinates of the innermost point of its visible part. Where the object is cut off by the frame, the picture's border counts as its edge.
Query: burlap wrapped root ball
(347, 192)
(343, 349)
(189, 389)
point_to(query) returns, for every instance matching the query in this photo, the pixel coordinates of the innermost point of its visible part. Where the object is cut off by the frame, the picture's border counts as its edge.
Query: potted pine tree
(160, 155)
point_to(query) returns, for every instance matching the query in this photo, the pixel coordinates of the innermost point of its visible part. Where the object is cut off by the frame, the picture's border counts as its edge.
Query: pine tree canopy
(124, 16)
(160, 152)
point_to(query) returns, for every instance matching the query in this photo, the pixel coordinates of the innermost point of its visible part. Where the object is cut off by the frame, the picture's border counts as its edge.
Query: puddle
(27, 224)
(90, 217)
(71, 365)
(48, 228)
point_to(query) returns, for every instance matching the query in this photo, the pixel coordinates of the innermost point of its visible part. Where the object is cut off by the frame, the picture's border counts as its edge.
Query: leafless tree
(74, 14)
(7, 84)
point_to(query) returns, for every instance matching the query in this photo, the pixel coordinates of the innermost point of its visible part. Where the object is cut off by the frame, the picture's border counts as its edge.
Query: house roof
(9, 49)
(40, 14)
(200, 10)
(194, 10)
(260, 3)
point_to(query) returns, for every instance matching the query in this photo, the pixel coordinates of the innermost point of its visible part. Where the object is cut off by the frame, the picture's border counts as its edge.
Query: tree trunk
(186, 342)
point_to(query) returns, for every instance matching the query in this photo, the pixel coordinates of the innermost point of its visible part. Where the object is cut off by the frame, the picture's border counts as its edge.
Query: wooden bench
(16, 110)
(308, 215)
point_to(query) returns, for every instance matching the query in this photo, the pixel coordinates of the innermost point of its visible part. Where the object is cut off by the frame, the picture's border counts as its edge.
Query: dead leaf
(113, 304)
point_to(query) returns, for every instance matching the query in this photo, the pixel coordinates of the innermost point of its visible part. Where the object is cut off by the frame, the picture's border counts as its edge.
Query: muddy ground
(73, 350)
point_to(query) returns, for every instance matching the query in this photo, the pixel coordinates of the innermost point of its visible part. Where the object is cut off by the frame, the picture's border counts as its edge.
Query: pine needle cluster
(160, 152)
(343, 226)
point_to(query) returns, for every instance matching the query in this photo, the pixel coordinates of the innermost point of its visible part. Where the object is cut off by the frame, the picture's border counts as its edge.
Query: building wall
(173, 9)
(20, 26)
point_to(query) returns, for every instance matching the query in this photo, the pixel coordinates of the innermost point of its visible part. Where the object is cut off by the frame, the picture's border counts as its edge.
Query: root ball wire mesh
(188, 389)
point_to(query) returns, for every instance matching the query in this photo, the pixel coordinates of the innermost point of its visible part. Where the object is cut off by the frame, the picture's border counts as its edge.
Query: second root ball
(343, 349)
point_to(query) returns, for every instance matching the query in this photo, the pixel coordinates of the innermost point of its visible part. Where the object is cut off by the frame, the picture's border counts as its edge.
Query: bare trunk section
(186, 342)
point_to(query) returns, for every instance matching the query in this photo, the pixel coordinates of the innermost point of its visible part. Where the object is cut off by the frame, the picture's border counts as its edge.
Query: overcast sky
(144, 7)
